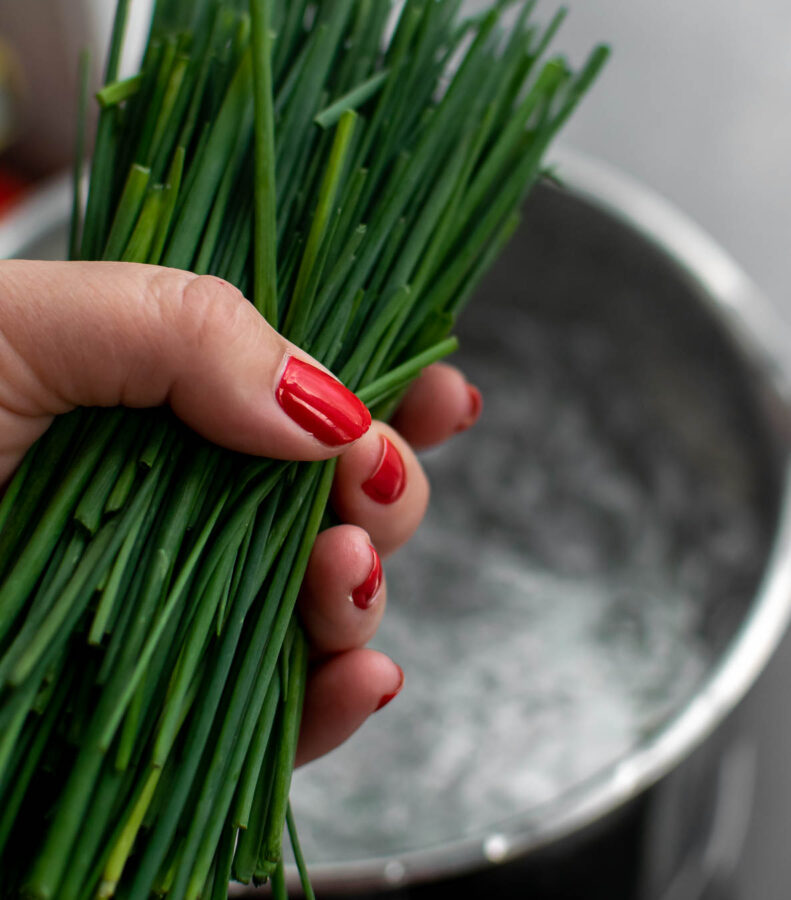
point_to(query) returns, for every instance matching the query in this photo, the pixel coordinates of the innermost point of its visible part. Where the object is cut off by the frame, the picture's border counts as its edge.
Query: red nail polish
(363, 596)
(388, 697)
(321, 405)
(475, 409)
(388, 481)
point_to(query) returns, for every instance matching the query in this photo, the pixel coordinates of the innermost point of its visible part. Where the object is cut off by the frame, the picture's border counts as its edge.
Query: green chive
(359, 182)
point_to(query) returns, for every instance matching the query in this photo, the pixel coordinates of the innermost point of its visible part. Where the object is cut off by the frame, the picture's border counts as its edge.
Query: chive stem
(265, 280)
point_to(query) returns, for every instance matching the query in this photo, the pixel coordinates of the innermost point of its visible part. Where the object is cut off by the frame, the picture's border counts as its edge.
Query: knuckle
(203, 309)
(212, 309)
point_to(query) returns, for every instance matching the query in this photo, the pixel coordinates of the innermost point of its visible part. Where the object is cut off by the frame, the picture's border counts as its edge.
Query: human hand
(109, 334)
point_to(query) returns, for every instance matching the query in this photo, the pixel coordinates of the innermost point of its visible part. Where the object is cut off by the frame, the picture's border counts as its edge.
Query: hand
(109, 334)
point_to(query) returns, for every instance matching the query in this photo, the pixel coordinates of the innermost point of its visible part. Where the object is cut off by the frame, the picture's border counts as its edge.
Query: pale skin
(108, 334)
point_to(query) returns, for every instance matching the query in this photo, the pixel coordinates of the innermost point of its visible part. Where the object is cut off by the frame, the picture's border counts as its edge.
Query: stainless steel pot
(663, 355)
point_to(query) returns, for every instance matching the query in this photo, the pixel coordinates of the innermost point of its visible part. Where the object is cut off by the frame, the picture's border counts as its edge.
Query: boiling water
(557, 604)
(532, 683)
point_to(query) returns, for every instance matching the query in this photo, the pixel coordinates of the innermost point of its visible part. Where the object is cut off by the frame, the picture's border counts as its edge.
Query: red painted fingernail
(475, 409)
(388, 697)
(321, 405)
(363, 596)
(388, 481)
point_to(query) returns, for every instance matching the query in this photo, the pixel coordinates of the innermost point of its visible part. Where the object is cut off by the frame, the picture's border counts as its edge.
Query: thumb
(109, 334)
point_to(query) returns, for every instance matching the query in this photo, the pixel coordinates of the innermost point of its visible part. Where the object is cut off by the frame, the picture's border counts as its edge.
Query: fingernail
(321, 405)
(475, 409)
(364, 595)
(388, 481)
(388, 697)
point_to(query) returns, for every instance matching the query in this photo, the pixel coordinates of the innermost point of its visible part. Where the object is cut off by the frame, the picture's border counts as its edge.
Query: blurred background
(696, 104)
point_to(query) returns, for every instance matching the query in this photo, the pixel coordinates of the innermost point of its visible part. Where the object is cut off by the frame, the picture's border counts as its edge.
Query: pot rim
(760, 334)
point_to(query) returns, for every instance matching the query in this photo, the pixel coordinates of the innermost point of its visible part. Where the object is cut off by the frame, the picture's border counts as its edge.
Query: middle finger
(381, 487)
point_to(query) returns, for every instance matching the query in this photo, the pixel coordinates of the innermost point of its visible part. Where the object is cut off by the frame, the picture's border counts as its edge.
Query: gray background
(696, 102)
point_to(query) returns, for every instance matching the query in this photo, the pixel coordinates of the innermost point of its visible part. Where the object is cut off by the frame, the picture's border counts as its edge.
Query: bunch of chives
(325, 162)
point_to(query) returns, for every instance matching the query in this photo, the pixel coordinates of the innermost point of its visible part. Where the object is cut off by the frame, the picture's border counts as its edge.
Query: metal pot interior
(592, 549)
